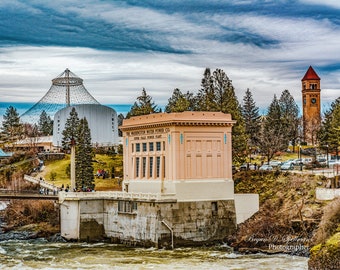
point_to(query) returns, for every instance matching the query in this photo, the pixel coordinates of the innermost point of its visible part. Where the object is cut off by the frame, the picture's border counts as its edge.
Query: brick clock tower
(311, 106)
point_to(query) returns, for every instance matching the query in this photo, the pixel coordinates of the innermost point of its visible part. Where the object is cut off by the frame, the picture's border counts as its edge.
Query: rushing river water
(39, 254)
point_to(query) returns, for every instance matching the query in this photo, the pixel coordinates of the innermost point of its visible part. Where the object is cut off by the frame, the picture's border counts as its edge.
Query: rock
(18, 235)
(57, 238)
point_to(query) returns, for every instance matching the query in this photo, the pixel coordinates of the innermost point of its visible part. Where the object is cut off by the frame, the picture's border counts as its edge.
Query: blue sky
(119, 47)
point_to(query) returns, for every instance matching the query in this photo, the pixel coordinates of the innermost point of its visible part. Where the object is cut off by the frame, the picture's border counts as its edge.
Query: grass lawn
(101, 162)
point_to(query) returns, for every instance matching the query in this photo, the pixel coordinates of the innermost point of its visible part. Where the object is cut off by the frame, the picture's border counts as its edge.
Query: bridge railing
(40, 182)
(11, 191)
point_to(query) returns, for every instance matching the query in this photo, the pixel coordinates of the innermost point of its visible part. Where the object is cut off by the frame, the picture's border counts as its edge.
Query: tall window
(137, 147)
(144, 147)
(144, 166)
(164, 167)
(158, 166)
(137, 167)
(150, 146)
(150, 166)
(158, 146)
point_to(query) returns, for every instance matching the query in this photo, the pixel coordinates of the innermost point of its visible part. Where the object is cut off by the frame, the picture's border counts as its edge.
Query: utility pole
(73, 164)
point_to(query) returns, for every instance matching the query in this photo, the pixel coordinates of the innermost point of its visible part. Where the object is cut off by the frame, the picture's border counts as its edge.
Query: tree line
(267, 134)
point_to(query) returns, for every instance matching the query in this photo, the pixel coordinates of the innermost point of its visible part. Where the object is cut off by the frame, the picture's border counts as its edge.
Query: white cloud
(118, 77)
(109, 76)
(330, 3)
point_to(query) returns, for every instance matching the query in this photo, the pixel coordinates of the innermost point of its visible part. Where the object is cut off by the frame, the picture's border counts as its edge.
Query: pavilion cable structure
(67, 89)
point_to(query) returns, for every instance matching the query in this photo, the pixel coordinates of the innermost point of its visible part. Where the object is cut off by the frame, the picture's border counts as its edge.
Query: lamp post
(73, 164)
(249, 157)
(300, 159)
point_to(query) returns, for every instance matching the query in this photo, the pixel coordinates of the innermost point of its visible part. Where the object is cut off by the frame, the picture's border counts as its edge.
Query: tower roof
(310, 75)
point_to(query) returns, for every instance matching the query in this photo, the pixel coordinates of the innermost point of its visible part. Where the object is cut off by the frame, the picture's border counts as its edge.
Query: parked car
(287, 166)
(333, 162)
(247, 166)
(322, 161)
(266, 167)
(275, 163)
(307, 160)
(298, 161)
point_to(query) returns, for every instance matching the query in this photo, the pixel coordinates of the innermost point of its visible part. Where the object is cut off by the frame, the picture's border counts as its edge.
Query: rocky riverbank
(27, 219)
(290, 217)
(31, 231)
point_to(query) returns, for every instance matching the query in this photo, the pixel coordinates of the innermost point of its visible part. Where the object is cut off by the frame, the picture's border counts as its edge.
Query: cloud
(119, 47)
(330, 3)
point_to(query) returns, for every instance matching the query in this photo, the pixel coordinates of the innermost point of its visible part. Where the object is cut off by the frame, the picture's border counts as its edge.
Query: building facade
(177, 188)
(167, 152)
(102, 121)
(311, 106)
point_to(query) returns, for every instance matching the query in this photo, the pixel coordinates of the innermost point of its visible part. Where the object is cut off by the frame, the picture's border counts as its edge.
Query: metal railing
(41, 182)
(116, 195)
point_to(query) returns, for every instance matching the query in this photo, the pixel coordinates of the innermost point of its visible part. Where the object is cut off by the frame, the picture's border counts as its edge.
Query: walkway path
(42, 183)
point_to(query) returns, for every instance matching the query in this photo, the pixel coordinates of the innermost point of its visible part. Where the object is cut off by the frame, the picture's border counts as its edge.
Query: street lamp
(300, 159)
(249, 158)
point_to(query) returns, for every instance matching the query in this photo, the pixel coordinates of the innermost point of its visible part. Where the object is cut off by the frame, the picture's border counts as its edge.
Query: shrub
(24, 212)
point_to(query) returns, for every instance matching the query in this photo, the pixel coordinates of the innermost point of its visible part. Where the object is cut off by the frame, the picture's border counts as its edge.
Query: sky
(120, 47)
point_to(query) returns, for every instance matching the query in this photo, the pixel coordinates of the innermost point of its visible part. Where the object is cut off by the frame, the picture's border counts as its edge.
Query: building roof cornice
(178, 119)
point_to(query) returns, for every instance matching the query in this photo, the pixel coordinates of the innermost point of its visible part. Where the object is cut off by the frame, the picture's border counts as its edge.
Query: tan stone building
(169, 153)
(311, 105)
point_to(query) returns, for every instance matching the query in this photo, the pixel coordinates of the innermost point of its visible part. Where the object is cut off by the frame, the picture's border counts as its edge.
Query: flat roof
(182, 118)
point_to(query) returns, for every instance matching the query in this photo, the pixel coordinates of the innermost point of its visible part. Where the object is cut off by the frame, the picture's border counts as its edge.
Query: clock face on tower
(313, 100)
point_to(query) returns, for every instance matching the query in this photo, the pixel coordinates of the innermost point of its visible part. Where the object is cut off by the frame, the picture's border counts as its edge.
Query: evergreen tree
(143, 105)
(12, 128)
(289, 117)
(251, 118)
(218, 94)
(70, 130)
(273, 117)
(45, 124)
(84, 154)
(329, 134)
(120, 122)
(206, 95)
(179, 102)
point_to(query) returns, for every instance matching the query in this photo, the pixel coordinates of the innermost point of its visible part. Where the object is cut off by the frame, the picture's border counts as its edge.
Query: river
(40, 254)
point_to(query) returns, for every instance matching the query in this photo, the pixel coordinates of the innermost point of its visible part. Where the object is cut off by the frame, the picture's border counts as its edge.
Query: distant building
(40, 144)
(177, 188)
(102, 120)
(311, 106)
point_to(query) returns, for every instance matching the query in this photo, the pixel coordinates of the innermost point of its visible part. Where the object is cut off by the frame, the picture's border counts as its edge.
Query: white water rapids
(40, 254)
